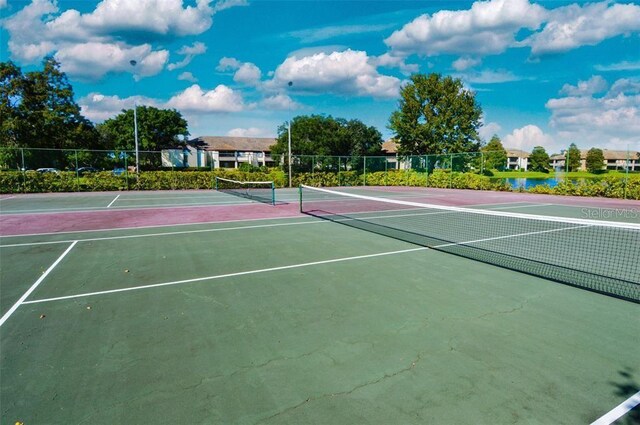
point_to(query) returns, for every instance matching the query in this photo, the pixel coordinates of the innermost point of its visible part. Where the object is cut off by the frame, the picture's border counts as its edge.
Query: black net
(600, 256)
(257, 191)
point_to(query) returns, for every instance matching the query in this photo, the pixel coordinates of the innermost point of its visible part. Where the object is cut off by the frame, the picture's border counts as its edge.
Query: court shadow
(626, 386)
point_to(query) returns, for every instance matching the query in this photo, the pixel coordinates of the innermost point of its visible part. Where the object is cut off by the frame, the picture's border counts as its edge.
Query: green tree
(573, 157)
(328, 136)
(157, 129)
(539, 160)
(495, 156)
(39, 111)
(595, 160)
(436, 115)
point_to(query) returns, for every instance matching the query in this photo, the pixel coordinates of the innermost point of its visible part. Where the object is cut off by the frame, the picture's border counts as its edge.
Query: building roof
(390, 146)
(517, 152)
(608, 155)
(226, 143)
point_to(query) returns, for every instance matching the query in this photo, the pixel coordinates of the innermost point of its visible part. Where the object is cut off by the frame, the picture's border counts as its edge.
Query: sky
(546, 73)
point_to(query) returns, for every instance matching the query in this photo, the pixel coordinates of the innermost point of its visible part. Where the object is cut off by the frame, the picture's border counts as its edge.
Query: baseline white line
(222, 276)
(124, 208)
(8, 197)
(185, 232)
(619, 410)
(35, 285)
(157, 226)
(114, 200)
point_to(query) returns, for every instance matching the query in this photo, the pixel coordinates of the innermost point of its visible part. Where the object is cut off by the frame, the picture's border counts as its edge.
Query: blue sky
(546, 73)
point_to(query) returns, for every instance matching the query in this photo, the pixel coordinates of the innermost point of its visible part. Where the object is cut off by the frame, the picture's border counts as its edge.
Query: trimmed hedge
(608, 187)
(67, 181)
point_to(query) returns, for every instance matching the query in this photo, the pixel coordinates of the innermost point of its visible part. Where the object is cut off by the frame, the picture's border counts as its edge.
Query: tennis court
(200, 306)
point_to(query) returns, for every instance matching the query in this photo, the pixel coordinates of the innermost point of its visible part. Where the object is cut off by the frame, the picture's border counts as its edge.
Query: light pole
(135, 122)
(289, 130)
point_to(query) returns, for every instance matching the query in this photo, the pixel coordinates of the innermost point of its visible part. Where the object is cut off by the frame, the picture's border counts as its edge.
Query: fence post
(24, 172)
(364, 170)
(126, 170)
(75, 153)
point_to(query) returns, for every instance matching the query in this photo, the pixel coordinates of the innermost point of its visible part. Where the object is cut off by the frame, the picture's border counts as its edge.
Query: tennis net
(258, 191)
(596, 255)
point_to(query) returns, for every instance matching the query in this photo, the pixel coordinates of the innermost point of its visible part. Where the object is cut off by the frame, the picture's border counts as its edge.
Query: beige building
(517, 159)
(613, 160)
(221, 152)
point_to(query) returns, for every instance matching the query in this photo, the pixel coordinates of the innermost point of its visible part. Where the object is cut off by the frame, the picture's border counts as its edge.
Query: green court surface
(298, 321)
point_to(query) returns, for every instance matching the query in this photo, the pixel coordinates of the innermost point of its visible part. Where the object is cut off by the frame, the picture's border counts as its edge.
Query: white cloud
(279, 102)
(39, 29)
(573, 26)
(248, 74)
(528, 137)
(348, 73)
(318, 34)
(249, 132)
(489, 129)
(245, 72)
(3, 4)
(595, 84)
(187, 76)
(157, 17)
(464, 63)
(220, 99)
(488, 76)
(98, 107)
(93, 60)
(189, 53)
(489, 27)
(610, 120)
(391, 61)
(228, 64)
(619, 66)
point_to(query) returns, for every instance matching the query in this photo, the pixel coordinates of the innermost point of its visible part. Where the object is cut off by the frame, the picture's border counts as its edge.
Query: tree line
(38, 110)
(435, 115)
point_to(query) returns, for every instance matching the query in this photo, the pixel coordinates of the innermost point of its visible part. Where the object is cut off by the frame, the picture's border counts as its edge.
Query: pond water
(528, 183)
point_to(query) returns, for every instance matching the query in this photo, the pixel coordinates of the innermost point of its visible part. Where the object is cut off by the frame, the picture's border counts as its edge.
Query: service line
(35, 285)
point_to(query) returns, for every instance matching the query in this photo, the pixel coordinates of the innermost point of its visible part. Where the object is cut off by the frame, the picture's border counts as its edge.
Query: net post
(273, 193)
(215, 184)
(300, 197)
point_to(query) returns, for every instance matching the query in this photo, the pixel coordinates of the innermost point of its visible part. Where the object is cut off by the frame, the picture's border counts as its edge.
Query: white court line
(114, 200)
(99, 209)
(157, 226)
(619, 411)
(222, 276)
(293, 266)
(508, 236)
(219, 229)
(184, 232)
(35, 285)
(8, 197)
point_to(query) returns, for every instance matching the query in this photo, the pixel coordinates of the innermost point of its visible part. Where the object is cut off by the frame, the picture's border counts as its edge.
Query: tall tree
(595, 160)
(495, 156)
(539, 160)
(328, 136)
(572, 156)
(436, 115)
(39, 111)
(49, 115)
(157, 129)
